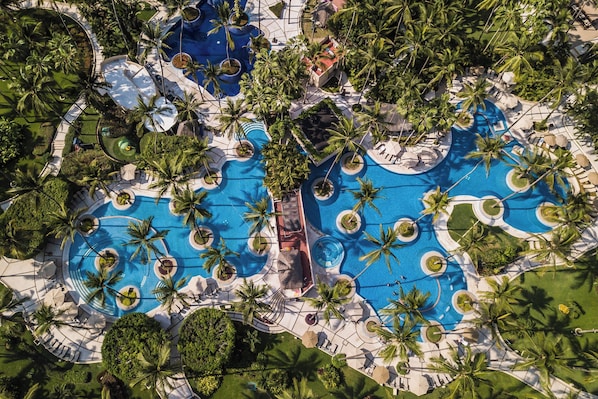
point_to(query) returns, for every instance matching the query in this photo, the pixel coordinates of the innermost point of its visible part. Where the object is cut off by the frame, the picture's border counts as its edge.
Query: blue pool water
(203, 47)
(242, 182)
(402, 198)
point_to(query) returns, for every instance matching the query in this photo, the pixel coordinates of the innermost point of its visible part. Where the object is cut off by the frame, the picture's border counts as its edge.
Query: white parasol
(54, 297)
(394, 147)
(409, 159)
(68, 311)
(582, 160)
(48, 269)
(509, 101)
(127, 172)
(508, 78)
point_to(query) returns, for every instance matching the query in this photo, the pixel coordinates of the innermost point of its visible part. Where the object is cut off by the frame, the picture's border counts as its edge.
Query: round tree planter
(348, 283)
(244, 150)
(433, 332)
(171, 207)
(515, 183)
(488, 209)
(165, 267)
(322, 193)
(123, 200)
(543, 217)
(433, 263)
(190, 15)
(345, 217)
(224, 282)
(207, 232)
(181, 60)
(231, 70)
(128, 298)
(211, 179)
(261, 248)
(351, 168)
(99, 261)
(463, 302)
(88, 224)
(403, 227)
(239, 26)
(370, 325)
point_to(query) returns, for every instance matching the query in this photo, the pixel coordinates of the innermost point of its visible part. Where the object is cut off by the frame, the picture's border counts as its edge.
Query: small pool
(328, 252)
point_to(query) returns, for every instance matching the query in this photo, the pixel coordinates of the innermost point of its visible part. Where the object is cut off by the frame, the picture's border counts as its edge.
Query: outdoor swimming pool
(242, 183)
(401, 197)
(203, 47)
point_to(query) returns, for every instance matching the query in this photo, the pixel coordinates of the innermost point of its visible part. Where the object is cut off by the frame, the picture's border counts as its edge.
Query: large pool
(242, 182)
(402, 196)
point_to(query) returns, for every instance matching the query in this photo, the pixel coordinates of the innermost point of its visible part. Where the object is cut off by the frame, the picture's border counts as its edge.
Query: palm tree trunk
(122, 32)
(365, 84)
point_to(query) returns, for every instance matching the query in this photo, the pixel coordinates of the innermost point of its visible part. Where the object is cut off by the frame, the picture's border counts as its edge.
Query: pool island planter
(516, 183)
(128, 297)
(348, 222)
(463, 302)
(239, 25)
(465, 120)
(488, 209)
(370, 326)
(433, 332)
(190, 15)
(231, 69)
(403, 227)
(165, 267)
(88, 224)
(546, 212)
(349, 288)
(123, 199)
(244, 150)
(172, 207)
(181, 60)
(352, 163)
(211, 179)
(107, 259)
(225, 277)
(433, 264)
(322, 189)
(196, 241)
(259, 244)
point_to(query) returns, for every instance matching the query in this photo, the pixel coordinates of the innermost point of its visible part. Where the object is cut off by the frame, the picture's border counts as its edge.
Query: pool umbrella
(508, 78)
(509, 101)
(96, 321)
(127, 172)
(381, 374)
(68, 311)
(48, 269)
(54, 297)
(409, 159)
(561, 141)
(309, 339)
(354, 311)
(550, 139)
(525, 123)
(394, 147)
(470, 335)
(582, 160)
(197, 285)
(593, 178)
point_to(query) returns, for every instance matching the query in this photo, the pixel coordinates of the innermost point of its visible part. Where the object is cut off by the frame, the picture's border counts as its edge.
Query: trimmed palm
(493, 315)
(231, 119)
(211, 72)
(155, 370)
(100, 284)
(297, 390)
(250, 304)
(144, 238)
(45, 318)
(9, 306)
(366, 195)
(199, 153)
(409, 304)
(328, 301)
(576, 211)
(503, 293)
(474, 95)
(189, 203)
(65, 224)
(34, 93)
(14, 239)
(259, 215)
(168, 292)
(28, 181)
(342, 137)
(375, 119)
(400, 340)
(468, 372)
(170, 174)
(98, 178)
(188, 108)
(435, 203)
(223, 15)
(385, 244)
(216, 256)
(557, 247)
(374, 60)
(488, 150)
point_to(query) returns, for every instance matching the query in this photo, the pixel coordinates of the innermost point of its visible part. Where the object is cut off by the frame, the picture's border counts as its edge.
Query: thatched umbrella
(582, 160)
(562, 141)
(470, 335)
(593, 178)
(381, 374)
(550, 139)
(309, 339)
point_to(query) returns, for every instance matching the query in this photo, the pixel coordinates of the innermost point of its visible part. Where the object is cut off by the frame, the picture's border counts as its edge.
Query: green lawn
(542, 293)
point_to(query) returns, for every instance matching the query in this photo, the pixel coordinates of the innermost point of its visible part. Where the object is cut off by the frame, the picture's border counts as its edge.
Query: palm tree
(144, 243)
(45, 318)
(188, 108)
(409, 304)
(155, 370)
(27, 181)
(9, 306)
(189, 203)
(517, 52)
(474, 95)
(375, 119)
(488, 150)
(558, 247)
(385, 244)
(168, 292)
(366, 195)
(191, 70)
(231, 118)
(468, 371)
(576, 211)
(211, 72)
(435, 203)
(401, 339)
(179, 5)
(342, 136)
(199, 153)
(216, 256)
(14, 239)
(100, 284)
(250, 304)
(259, 215)
(298, 390)
(170, 174)
(329, 300)
(34, 93)
(373, 59)
(65, 224)
(223, 15)
(493, 315)
(95, 177)
(503, 293)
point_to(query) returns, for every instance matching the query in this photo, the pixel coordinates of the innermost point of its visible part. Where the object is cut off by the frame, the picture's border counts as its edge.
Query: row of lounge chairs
(58, 349)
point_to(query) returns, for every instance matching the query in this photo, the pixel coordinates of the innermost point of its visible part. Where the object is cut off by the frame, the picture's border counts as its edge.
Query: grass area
(314, 33)
(278, 8)
(542, 292)
(491, 207)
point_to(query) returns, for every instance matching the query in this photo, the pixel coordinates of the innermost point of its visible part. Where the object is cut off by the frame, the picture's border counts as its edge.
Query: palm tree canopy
(250, 296)
(385, 244)
(144, 243)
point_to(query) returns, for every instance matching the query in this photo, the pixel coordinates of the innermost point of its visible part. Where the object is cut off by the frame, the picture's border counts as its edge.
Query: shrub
(77, 376)
(276, 381)
(11, 140)
(206, 341)
(9, 388)
(45, 136)
(207, 385)
(278, 8)
(330, 376)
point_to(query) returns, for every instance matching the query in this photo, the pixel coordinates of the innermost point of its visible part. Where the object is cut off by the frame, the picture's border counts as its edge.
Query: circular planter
(465, 120)
(191, 15)
(171, 207)
(370, 325)
(485, 211)
(88, 224)
(433, 332)
(128, 298)
(231, 69)
(100, 260)
(543, 213)
(515, 183)
(328, 252)
(223, 280)
(345, 217)
(463, 302)
(311, 319)
(322, 194)
(244, 150)
(201, 245)
(352, 168)
(239, 26)
(433, 263)
(181, 60)
(165, 267)
(260, 248)
(349, 288)
(211, 179)
(402, 227)
(123, 200)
